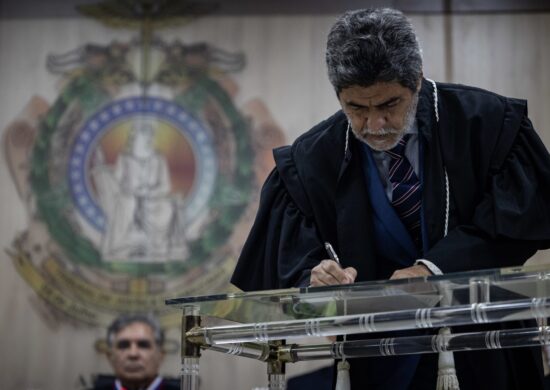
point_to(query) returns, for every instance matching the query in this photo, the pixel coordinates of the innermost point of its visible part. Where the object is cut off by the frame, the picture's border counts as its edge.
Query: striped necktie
(406, 190)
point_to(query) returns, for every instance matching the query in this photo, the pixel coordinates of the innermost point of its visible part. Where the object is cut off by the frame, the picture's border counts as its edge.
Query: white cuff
(434, 269)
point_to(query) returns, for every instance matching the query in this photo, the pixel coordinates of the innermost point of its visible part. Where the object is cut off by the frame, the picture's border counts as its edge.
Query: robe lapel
(433, 174)
(353, 219)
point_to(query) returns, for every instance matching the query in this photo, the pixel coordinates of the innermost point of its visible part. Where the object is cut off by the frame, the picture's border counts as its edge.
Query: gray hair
(373, 45)
(125, 320)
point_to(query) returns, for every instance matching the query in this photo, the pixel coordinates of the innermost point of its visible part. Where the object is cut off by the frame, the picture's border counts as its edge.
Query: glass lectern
(264, 323)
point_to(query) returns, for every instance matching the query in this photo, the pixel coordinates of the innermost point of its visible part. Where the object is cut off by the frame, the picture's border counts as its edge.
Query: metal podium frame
(264, 322)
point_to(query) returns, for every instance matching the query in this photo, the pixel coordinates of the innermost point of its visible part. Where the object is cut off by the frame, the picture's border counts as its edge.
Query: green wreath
(54, 206)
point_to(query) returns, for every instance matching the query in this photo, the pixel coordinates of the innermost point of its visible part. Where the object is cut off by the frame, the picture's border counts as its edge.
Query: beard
(388, 137)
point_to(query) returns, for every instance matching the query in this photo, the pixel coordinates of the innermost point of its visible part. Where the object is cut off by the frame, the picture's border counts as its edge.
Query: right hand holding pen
(329, 272)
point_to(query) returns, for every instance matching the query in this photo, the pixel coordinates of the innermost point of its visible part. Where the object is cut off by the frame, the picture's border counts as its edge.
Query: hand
(329, 273)
(411, 272)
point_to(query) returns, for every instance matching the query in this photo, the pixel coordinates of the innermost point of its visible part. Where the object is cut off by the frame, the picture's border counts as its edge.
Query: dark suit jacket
(107, 382)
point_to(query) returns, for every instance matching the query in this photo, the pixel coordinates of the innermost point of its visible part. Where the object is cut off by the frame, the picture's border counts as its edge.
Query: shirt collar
(413, 129)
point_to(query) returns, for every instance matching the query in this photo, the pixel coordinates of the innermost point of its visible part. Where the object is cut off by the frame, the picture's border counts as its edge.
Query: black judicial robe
(499, 176)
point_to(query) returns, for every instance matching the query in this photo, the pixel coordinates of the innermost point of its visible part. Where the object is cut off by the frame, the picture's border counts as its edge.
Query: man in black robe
(479, 172)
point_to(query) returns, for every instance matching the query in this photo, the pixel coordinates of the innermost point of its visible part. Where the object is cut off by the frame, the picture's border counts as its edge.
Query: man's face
(379, 114)
(134, 355)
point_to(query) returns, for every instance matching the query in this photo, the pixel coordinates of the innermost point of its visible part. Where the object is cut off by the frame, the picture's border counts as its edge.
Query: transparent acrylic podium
(263, 324)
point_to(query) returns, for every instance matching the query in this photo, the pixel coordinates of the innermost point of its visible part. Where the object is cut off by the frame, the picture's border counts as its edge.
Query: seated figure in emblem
(141, 213)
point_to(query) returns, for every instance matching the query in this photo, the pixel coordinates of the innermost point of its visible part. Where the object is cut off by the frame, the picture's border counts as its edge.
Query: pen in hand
(332, 254)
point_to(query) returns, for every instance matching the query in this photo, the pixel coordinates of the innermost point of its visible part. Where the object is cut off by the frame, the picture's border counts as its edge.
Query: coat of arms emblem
(140, 179)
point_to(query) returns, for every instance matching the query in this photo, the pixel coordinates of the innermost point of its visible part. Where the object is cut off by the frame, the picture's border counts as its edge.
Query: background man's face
(134, 355)
(379, 114)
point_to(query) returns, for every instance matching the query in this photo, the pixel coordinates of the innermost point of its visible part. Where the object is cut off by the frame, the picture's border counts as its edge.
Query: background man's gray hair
(373, 45)
(124, 320)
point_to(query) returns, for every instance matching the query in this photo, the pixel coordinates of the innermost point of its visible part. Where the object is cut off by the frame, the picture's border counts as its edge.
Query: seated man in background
(135, 353)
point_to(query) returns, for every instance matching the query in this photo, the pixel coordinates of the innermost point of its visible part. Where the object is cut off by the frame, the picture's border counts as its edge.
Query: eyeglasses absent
(141, 344)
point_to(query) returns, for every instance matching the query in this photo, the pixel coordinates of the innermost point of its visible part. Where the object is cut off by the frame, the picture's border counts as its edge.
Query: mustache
(383, 131)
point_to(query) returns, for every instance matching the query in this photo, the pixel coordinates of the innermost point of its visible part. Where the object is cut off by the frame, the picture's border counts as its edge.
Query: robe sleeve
(512, 220)
(283, 244)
